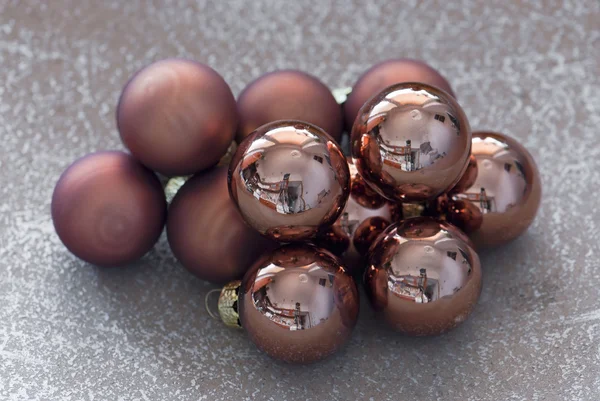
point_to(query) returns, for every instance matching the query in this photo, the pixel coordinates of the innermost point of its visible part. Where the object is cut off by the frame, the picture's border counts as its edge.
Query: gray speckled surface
(73, 332)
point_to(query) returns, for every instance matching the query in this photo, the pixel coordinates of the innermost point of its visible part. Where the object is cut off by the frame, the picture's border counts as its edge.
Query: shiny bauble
(288, 180)
(411, 142)
(108, 209)
(423, 276)
(365, 216)
(206, 232)
(504, 197)
(298, 304)
(288, 95)
(177, 116)
(385, 74)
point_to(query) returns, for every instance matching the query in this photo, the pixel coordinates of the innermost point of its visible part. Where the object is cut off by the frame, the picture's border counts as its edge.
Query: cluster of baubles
(292, 218)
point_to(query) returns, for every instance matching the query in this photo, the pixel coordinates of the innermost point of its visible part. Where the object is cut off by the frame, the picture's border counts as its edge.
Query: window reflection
(485, 202)
(285, 191)
(272, 296)
(416, 135)
(501, 182)
(284, 196)
(419, 289)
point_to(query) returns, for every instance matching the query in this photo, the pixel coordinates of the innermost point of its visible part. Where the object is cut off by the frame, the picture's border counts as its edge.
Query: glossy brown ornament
(108, 209)
(504, 198)
(288, 95)
(177, 116)
(288, 179)
(206, 232)
(365, 216)
(411, 142)
(388, 73)
(423, 276)
(298, 304)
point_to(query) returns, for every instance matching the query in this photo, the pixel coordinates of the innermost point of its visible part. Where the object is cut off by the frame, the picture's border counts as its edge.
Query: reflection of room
(289, 191)
(429, 270)
(296, 312)
(419, 289)
(486, 203)
(285, 196)
(403, 157)
(501, 175)
(412, 136)
(347, 225)
(500, 183)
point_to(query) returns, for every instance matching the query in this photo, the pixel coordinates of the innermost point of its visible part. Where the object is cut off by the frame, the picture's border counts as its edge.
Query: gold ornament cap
(173, 186)
(228, 304)
(228, 155)
(341, 94)
(414, 209)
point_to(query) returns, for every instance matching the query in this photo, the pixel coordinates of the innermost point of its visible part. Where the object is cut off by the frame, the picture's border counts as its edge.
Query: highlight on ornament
(258, 195)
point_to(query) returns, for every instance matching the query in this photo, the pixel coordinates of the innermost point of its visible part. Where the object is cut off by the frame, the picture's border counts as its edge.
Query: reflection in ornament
(504, 194)
(423, 276)
(288, 179)
(365, 216)
(411, 142)
(293, 312)
(298, 303)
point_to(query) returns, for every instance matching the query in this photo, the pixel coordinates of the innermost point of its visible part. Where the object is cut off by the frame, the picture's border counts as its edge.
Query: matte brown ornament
(423, 276)
(108, 209)
(388, 73)
(288, 95)
(177, 116)
(289, 179)
(206, 232)
(411, 142)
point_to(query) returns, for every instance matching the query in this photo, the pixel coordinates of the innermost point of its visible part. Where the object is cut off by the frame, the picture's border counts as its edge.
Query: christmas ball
(288, 95)
(411, 142)
(177, 116)
(206, 232)
(108, 209)
(423, 276)
(504, 197)
(288, 180)
(298, 304)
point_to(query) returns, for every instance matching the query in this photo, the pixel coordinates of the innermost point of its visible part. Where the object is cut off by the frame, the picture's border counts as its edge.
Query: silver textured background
(73, 332)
